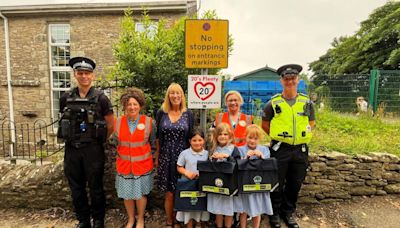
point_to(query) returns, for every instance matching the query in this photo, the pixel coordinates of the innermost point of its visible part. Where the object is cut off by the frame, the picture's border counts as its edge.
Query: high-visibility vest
(290, 124)
(240, 130)
(134, 150)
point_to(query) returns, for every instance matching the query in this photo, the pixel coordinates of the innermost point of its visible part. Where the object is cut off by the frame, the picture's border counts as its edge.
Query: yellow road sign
(206, 43)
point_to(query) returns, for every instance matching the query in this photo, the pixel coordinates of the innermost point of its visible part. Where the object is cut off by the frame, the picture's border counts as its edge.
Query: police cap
(289, 69)
(82, 63)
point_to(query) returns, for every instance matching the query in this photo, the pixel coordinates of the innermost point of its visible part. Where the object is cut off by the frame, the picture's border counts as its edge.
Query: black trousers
(84, 166)
(292, 169)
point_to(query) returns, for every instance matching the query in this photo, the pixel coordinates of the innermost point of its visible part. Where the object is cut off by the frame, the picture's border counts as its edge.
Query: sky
(274, 33)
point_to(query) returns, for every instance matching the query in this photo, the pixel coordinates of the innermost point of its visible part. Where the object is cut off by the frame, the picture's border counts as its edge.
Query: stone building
(41, 39)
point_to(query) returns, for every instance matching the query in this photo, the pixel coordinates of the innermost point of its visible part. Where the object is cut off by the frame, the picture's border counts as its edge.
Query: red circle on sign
(203, 85)
(206, 26)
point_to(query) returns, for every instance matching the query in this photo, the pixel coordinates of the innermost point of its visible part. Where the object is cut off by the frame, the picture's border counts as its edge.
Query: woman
(237, 120)
(174, 122)
(136, 139)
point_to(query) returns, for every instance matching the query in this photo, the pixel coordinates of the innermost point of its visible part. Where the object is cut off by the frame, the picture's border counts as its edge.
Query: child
(222, 148)
(187, 166)
(253, 204)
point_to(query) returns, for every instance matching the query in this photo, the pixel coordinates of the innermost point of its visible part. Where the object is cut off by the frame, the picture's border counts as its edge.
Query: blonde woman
(174, 122)
(237, 120)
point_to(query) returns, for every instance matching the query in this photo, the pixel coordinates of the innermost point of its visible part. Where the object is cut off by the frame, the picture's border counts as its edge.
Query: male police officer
(288, 119)
(86, 121)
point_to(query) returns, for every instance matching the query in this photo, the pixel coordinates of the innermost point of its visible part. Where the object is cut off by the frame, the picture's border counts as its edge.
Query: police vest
(240, 130)
(290, 124)
(134, 151)
(82, 121)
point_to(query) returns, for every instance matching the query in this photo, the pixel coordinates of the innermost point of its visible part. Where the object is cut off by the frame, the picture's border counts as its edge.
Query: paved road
(366, 212)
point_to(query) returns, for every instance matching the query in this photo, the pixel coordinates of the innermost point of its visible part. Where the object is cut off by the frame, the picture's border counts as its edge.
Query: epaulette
(97, 92)
(303, 94)
(276, 95)
(95, 95)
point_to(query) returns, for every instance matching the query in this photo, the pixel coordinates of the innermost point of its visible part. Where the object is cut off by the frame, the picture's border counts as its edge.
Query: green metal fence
(339, 92)
(380, 89)
(385, 91)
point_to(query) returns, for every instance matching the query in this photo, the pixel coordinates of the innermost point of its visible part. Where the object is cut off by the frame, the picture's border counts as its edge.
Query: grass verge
(351, 134)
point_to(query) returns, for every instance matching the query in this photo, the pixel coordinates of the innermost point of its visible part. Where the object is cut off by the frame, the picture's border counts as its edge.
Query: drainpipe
(10, 97)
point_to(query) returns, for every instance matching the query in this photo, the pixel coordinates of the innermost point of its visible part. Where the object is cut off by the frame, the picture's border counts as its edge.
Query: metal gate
(385, 91)
(33, 141)
(37, 141)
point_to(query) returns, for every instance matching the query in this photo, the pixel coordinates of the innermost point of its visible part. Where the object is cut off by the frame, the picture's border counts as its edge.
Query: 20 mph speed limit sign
(204, 91)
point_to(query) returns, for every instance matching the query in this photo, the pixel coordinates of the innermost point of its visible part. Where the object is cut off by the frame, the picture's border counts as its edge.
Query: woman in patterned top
(174, 122)
(136, 140)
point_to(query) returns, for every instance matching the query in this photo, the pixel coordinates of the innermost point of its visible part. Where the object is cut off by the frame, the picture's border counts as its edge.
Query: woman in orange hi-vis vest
(237, 120)
(135, 135)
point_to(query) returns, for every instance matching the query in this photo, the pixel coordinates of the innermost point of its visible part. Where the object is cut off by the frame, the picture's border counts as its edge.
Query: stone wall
(34, 186)
(332, 177)
(336, 177)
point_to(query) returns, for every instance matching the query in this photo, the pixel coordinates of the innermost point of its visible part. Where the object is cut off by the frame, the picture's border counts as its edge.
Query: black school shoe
(85, 224)
(98, 223)
(290, 220)
(274, 221)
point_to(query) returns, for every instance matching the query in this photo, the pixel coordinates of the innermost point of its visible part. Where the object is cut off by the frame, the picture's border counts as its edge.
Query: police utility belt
(275, 145)
(80, 124)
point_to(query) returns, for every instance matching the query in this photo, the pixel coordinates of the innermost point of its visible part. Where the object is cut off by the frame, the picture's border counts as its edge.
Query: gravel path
(382, 211)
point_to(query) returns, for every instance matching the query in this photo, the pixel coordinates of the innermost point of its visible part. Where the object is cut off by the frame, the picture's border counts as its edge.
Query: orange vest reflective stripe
(240, 131)
(134, 150)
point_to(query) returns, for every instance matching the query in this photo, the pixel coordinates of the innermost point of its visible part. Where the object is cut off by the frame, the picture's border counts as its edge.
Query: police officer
(86, 121)
(288, 119)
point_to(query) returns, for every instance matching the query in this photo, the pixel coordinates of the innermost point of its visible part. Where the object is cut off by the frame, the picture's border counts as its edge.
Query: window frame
(153, 27)
(54, 69)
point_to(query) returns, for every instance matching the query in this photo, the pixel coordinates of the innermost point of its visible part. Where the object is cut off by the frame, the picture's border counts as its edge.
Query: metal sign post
(203, 112)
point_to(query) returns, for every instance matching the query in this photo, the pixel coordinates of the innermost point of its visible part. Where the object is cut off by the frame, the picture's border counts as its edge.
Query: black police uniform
(292, 160)
(84, 130)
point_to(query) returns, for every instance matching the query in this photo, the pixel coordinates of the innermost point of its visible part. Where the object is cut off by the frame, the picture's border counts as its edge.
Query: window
(140, 27)
(60, 72)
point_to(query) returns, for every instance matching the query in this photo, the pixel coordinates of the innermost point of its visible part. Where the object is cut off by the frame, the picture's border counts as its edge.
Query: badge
(257, 179)
(193, 201)
(219, 182)
(140, 126)
(308, 128)
(242, 123)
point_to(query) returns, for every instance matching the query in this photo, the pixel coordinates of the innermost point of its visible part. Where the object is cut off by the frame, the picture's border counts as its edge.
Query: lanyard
(231, 122)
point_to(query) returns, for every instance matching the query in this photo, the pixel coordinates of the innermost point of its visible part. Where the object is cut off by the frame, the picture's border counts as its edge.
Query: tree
(153, 58)
(376, 45)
